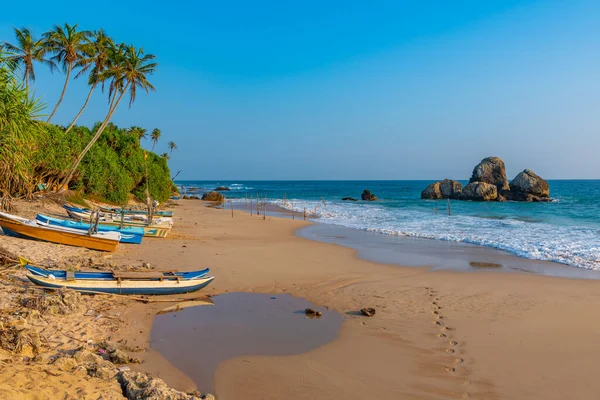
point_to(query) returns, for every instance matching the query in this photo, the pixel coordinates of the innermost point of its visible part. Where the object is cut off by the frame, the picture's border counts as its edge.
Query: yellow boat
(13, 225)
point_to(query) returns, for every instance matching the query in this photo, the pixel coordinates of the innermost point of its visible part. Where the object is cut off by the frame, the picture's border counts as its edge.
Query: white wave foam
(572, 245)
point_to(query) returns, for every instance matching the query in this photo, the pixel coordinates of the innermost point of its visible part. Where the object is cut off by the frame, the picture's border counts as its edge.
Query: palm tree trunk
(69, 68)
(66, 181)
(82, 108)
(153, 144)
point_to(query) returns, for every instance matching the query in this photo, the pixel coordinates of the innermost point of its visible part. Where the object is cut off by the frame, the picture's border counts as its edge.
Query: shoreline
(437, 333)
(435, 254)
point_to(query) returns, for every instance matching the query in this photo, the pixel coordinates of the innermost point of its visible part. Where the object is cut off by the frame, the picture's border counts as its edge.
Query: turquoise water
(566, 230)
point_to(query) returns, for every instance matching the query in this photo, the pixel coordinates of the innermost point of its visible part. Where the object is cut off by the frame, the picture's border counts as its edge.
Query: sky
(350, 89)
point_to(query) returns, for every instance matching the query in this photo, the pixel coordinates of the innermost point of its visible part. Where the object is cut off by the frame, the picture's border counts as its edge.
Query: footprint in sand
(447, 328)
(450, 351)
(438, 323)
(434, 303)
(449, 369)
(442, 335)
(440, 317)
(435, 312)
(466, 396)
(453, 343)
(459, 360)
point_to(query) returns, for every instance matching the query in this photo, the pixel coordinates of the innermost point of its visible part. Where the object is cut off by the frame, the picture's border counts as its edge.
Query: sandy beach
(436, 334)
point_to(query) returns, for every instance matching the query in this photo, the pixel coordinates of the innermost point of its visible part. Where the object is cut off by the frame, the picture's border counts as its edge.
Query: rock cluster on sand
(213, 196)
(137, 385)
(489, 183)
(368, 196)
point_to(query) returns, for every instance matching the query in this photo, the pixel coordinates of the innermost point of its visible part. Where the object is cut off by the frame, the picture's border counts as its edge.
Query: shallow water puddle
(197, 339)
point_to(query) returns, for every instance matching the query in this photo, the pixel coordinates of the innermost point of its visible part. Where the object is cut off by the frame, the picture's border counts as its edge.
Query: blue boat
(125, 283)
(99, 275)
(129, 234)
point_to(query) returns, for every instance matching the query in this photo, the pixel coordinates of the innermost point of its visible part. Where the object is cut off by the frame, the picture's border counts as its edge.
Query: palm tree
(95, 59)
(68, 45)
(172, 146)
(128, 70)
(25, 52)
(139, 132)
(154, 136)
(165, 156)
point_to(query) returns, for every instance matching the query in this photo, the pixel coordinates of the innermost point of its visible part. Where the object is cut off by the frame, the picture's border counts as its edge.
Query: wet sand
(437, 334)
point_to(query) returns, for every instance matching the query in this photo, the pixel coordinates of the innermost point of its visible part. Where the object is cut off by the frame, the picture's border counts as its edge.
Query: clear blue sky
(352, 89)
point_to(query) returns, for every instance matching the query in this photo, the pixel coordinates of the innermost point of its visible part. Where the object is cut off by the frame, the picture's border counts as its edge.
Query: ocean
(566, 230)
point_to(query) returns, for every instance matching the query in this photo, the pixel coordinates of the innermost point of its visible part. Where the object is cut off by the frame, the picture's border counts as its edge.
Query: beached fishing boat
(13, 225)
(140, 283)
(158, 213)
(139, 219)
(158, 228)
(108, 275)
(129, 234)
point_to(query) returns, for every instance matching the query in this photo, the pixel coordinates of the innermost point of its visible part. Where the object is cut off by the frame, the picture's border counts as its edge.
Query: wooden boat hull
(154, 230)
(138, 287)
(98, 275)
(56, 236)
(129, 234)
(162, 213)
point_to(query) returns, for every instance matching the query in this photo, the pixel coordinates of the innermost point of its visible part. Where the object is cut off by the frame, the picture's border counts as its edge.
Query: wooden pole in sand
(305, 213)
(231, 203)
(449, 210)
(257, 205)
(265, 209)
(250, 205)
(293, 210)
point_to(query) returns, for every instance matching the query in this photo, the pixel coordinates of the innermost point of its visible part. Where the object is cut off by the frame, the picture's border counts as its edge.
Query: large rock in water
(480, 191)
(450, 189)
(491, 170)
(213, 196)
(446, 189)
(432, 192)
(527, 186)
(368, 196)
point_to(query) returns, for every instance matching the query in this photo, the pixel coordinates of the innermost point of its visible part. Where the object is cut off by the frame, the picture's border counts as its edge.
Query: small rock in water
(369, 312)
(310, 311)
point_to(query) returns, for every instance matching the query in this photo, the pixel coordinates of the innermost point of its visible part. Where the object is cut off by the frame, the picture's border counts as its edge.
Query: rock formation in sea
(527, 186)
(489, 183)
(491, 170)
(479, 191)
(368, 196)
(222, 189)
(446, 189)
(213, 196)
(349, 199)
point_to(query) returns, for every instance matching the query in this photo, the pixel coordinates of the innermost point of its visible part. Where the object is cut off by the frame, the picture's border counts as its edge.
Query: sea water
(566, 230)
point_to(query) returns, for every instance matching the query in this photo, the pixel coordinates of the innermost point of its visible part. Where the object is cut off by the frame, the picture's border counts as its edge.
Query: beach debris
(7, 258)
(368, 196)
(312, 313)
(369, 312)
(19, 338)
(478, 264)
(137, 385)
(65, 364)
(62, 302)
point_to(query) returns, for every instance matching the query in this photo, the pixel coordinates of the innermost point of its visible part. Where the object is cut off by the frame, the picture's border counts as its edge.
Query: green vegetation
(106, 161)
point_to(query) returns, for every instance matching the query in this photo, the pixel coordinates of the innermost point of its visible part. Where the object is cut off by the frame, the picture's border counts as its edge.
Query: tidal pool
(197, 339)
